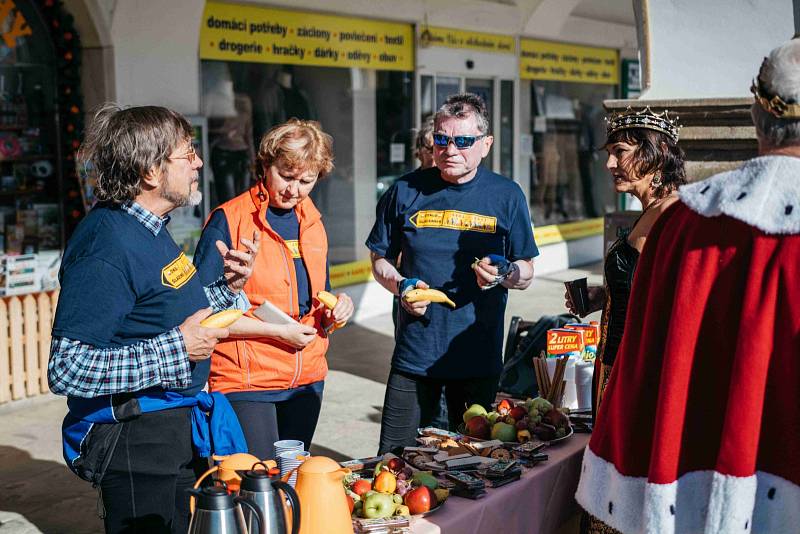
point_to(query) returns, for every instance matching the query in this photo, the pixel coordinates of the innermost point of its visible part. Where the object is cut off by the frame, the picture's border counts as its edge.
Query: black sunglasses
(461, 141)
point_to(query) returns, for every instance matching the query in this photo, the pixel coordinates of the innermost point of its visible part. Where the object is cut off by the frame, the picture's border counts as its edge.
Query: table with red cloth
(539, 503)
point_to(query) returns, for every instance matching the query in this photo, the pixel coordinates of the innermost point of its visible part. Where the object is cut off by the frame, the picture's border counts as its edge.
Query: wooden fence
(25, 324)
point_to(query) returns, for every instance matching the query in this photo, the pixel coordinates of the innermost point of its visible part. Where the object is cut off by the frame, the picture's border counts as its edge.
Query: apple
(378, 505)
(473, 411)
(492, 417)
(395, 465)
(420, 500)
(504, 432)
(478, 427)
(518, 412)
(360, 487)
(385, 482)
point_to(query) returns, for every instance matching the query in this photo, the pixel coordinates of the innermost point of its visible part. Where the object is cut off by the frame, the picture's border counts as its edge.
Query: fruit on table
(361, 486)
(441, 494)
(358, 507)
(378, 468)
(433, 295)
(351, 503)
(402, 510)
(556, 418)
(504, 432)
(378, 505)
(492, 417)
(478, 427)
(420, 500)
(473, 411)
(426, 478)
(523, 436)
(385, 482)
(222, 319)
(395, 465)
(545, 432)
(402, 486)
(518, 412)
(540, 405)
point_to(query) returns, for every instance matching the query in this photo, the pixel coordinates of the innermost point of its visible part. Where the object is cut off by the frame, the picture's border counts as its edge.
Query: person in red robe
(699, 429)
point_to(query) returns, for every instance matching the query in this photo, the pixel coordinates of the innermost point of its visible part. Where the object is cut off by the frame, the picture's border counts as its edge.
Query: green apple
(504, 432)
(492, 417)
(379, 505)
(474, 411)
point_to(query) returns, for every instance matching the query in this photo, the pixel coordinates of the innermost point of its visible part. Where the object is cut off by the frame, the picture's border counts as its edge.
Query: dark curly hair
(655, 153)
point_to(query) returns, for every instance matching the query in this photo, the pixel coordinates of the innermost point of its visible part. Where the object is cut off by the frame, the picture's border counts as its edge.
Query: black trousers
(264, 423)
(144, 487)
(412, 401)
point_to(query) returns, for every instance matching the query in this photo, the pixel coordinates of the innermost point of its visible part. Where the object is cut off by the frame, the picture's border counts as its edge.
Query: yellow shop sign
(266, 35)
(545, 60)
(450, 38)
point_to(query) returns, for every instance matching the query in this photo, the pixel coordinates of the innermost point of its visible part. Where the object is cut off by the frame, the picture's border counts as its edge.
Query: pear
(474, 411)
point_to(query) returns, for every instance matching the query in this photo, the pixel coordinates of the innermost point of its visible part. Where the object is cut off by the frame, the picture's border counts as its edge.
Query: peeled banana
(433, 295)
(329, 300)
(221, 319)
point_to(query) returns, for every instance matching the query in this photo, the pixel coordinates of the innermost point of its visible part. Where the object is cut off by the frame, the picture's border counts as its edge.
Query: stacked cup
(288, 452)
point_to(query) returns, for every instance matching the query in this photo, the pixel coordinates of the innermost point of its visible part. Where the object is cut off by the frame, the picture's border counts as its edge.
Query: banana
(433, 295)
(221, 319)
(329, 300)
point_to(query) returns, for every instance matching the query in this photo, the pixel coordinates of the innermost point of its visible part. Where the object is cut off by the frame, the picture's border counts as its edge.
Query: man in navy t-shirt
(463, 230)
(128, 321)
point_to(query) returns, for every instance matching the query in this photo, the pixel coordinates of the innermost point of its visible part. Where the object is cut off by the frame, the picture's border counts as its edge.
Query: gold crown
(774, 104)
(647, 119)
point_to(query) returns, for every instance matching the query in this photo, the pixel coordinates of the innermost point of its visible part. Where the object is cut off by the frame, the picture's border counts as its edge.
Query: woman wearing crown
(699, 427)
(645, 161)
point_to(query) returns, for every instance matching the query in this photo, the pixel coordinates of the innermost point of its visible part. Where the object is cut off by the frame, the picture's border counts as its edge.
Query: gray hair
(122, 146)
(462, 106)
(779, 75)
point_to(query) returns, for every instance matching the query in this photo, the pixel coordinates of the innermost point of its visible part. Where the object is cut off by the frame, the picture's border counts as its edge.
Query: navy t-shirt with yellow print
(122, 284)
(440, 228)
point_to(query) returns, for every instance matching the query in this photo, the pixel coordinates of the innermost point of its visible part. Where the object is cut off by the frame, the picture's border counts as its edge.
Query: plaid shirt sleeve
(219, 294)
(82, 370)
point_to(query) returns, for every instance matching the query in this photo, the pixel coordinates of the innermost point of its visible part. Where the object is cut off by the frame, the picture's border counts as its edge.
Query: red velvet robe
(699, 429)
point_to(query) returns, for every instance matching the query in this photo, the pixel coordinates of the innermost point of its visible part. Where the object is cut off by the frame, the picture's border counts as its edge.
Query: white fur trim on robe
(702, 502)
(764, 192)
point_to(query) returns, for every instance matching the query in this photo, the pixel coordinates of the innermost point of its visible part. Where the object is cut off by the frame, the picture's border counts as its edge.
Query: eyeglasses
(461, 141)
(190, 155)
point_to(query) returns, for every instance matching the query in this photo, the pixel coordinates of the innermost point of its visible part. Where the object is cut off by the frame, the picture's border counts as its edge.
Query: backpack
(518, 378)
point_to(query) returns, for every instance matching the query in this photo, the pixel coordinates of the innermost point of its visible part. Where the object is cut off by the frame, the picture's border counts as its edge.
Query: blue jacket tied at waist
(89, 432)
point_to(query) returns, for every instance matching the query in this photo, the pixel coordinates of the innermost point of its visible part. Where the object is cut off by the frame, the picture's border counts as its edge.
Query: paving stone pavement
(37, 485)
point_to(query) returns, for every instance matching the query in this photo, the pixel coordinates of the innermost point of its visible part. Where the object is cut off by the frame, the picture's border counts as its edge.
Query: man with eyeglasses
(464, 230)
(128, 347)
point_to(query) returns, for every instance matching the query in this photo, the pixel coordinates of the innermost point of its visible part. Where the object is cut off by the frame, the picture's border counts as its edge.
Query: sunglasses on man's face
(461, 141)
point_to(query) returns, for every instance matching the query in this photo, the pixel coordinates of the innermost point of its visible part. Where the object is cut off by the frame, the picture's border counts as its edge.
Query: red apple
(518, 412)
(478, 427)
(420, 500)
(395, 465)
(361, 486)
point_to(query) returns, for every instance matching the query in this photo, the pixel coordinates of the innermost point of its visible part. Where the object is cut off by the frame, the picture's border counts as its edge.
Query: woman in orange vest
(273, 374)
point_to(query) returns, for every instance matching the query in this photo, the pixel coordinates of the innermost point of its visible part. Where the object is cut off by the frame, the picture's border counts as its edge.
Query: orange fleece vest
(266, 364)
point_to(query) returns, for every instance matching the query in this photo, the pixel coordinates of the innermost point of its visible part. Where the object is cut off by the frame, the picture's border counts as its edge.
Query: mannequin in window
(232, 153)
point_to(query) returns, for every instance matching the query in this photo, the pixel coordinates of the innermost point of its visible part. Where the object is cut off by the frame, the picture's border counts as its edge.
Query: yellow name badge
(177, 272)
(294, 247)
(454, 220)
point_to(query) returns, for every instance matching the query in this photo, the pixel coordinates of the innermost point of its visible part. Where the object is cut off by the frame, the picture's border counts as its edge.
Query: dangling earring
(656, 183)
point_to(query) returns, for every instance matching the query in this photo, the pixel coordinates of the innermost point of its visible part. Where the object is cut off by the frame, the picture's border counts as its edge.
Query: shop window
(30, 200)
(365, 111)
(568, 180)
